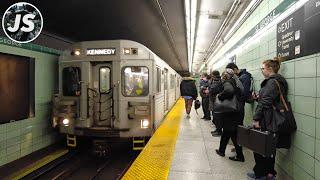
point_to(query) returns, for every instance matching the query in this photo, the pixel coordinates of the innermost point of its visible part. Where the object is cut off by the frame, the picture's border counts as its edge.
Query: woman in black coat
(189, 92)
(268, 96)
(230, 120)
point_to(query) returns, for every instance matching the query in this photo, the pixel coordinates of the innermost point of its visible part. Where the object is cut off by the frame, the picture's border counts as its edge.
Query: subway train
(112, 89)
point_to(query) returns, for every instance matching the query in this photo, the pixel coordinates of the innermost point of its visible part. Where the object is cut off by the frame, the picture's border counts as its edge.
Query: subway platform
(183, 148)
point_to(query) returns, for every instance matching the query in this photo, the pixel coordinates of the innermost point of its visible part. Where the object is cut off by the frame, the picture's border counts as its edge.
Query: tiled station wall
(302, 161)
(23, 137)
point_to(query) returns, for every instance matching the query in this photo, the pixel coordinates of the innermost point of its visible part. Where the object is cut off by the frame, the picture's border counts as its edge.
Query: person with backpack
(273, 87)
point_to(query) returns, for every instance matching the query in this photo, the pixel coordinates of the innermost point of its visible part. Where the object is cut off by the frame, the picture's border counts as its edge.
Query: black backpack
(250, 98)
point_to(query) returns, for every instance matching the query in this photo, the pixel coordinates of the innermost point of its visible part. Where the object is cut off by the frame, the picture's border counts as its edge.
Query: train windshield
(135, 81)
(71, 77)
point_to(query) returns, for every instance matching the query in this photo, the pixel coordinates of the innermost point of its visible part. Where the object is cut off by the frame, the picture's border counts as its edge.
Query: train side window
(135, 81)
(158, 79)
(104, 79)
(172, 81)
(71, 77)
(178, 82)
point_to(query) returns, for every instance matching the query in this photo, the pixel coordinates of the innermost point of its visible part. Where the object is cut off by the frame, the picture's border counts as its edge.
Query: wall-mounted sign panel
(312, 27)
(290, 36)
(298, 34)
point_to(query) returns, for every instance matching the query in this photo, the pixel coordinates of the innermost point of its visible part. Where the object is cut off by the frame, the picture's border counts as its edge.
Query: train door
(102, 103)
(166, 90)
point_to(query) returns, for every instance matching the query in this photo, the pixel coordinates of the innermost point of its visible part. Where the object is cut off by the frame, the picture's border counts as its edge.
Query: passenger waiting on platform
(245, 78)
(268, 97)
(204, 93)
(189, 92)
(215, 87)
(230, 120)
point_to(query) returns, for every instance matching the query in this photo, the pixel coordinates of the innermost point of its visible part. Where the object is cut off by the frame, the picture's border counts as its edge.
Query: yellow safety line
(38, 164)
(155, 159)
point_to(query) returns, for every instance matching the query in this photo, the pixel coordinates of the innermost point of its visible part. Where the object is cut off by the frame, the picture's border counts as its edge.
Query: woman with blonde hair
(269, 97)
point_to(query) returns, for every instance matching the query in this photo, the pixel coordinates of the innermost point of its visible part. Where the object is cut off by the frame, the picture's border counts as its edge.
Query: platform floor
(195, 156)
(183, 148)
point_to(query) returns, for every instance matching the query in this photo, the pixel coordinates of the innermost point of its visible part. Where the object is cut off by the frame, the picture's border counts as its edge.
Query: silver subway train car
(112, 88)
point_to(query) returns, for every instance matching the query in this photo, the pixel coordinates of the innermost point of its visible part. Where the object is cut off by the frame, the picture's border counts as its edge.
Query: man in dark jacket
(189, 92)
(215, 87)
(204, 93)
(245, 78)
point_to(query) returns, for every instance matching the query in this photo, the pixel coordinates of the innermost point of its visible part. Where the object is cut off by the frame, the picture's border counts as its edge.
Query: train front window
(71, 77)
(135, 81)
(104, 80)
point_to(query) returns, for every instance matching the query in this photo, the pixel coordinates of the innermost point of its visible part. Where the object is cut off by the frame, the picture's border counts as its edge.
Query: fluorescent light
(240, 18)
(190, 11)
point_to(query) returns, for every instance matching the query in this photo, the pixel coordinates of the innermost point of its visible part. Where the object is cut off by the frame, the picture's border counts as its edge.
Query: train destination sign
(101, 51)
(290, 36)
(298, 34)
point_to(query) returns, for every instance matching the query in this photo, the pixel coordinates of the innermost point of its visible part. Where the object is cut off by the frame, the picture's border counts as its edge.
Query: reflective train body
(113, 88)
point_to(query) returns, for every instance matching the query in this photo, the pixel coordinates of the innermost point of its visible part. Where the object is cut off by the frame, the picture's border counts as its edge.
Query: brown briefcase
(261, 142)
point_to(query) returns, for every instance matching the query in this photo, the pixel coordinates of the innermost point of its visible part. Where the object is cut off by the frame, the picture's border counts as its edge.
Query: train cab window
(104, 79)
(135, 81)
(71, 77)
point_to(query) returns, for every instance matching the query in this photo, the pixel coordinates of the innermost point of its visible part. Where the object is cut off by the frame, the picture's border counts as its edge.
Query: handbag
(283, 120)
(226, 105)
(197, 104)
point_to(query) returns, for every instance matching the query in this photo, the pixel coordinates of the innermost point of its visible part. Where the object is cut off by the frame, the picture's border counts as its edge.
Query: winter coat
(230, 121)
(188, 87)
(269, 95)
(245, 79)
(215, 87)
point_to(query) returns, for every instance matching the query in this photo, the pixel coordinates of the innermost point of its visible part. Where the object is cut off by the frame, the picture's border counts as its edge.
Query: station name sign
(101, 51)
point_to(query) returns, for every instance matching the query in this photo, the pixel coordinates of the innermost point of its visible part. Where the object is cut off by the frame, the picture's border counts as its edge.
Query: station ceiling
(160, 25)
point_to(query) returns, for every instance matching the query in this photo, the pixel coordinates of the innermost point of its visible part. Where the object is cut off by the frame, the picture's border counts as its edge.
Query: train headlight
(145, 123)
(76, 52)
(65, 121)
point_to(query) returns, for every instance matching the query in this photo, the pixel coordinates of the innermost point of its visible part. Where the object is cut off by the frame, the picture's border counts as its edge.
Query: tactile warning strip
(155, 159)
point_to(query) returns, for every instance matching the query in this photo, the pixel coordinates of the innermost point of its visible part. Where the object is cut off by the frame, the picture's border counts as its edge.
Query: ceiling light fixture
(190, 12)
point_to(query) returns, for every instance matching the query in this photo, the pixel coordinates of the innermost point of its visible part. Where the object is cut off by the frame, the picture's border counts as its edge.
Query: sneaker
(220, 153)
(236, 158)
